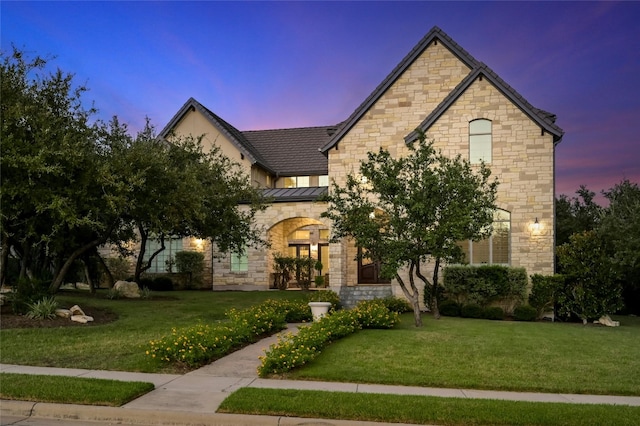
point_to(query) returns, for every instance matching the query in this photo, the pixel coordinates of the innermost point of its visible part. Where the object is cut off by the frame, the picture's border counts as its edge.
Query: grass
(481, 354)
(121, 345)
(70, 390)
(422, 409)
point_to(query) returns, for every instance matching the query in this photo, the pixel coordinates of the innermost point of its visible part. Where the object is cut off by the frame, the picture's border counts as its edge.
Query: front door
(369, 271)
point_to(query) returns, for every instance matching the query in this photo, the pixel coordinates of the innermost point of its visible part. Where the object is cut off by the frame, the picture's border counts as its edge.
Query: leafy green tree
(590, 287)
(410, 210)
(620, 227)
(54, 208)
(576, 214)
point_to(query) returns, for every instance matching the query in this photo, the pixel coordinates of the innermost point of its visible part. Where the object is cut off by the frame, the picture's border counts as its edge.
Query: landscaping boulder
(128, 289)
(63, 313)
(607, 321)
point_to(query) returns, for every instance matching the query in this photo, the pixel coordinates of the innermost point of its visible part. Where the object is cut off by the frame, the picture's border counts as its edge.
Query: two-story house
(438, 88)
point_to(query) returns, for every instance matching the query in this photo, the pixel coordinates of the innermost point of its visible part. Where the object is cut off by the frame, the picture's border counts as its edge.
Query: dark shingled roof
(280, 195)
(293, 152)
(544, 119)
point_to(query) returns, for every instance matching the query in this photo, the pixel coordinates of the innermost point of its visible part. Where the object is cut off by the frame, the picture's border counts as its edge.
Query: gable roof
(293, 152)
(434, 34)
(234, 135)
(544, 119)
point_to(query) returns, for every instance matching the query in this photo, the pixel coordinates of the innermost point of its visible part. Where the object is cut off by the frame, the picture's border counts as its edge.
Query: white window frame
(479, 137)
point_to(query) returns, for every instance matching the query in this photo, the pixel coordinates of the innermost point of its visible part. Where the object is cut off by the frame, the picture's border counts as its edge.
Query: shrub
(294, 310)
(294, 351)
(471, 310)
(449, 308)
(283, 268)
(325, 296)
(201, 344)
(493, 313)
(43, 309)
(543, 290)
(161, 284)
(427, 296)
(145, 283)
(375, 314)
(525, 313)
(145, 293)
(114, 294)
(191, 263)
(396, 304)
(119, 267)
(26, 292)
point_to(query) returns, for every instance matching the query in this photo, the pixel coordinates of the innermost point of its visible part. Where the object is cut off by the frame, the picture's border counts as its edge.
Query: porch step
(350, 296)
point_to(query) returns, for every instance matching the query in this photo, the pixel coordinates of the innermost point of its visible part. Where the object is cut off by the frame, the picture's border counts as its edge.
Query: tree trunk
(59, 277)
(413, 296)
(106, 271)
(4, 258)
(434, 291)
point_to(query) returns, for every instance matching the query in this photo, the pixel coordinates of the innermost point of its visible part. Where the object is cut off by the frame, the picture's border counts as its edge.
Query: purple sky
(263, 65)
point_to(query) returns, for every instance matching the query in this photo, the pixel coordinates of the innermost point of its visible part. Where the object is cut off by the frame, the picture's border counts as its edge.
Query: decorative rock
(83, 319)
(606, 320)
(127, 289)
(75, 310)
(64, 313)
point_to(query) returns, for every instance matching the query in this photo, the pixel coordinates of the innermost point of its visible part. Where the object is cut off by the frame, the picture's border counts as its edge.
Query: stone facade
(439, 88)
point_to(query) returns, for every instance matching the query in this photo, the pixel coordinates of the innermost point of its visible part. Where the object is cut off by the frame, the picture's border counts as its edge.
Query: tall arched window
(492, 250)
(480, 141)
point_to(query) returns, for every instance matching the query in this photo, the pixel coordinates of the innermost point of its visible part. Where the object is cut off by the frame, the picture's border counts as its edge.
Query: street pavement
(193, 398)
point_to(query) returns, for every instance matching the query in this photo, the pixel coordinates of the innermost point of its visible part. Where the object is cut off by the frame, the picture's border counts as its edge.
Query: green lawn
(70, 390)
(423, 409)
(121, 345)
(482, 354)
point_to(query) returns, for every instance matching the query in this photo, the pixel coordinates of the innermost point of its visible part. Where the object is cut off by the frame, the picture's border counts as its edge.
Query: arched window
(480, 141)
(493, 250)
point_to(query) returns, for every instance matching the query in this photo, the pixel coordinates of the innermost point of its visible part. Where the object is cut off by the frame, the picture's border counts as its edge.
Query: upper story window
(323, 180)
(296, 182)
(480, 141)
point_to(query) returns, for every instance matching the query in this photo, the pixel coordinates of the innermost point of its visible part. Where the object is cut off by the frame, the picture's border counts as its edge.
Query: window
(239, 262)
(159, 263)
(496, 248)
(323, 180)
(296, 182)
(480, 141)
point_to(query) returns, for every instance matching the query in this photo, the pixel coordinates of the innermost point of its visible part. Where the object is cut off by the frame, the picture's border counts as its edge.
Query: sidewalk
(193, 398)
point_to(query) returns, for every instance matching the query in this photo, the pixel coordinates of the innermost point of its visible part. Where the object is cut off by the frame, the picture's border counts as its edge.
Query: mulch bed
(10, 320)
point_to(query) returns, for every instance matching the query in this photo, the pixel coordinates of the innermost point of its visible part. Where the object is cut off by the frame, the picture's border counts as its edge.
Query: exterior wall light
(535, 228)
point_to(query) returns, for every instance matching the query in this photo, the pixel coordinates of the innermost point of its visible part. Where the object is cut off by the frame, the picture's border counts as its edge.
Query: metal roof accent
(282, 195)
(434, 34)
(543, 118)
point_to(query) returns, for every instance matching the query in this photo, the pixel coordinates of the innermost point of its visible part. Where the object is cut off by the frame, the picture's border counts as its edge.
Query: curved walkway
(193, 398)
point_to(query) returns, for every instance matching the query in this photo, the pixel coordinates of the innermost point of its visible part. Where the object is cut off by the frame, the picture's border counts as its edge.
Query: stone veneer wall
(281, 219)
(522, 155)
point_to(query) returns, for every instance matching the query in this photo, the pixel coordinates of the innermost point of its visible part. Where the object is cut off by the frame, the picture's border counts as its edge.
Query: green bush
(472, 310)
(525, 313)
(543, 292)
(161, 284)
(119, 267)
(427, 296)
(325, 296)
(44, 308)
(26, 292)
(449, 308)
(485, 284)
(202, 343)
(294, 310)
(191, 263)
(396, 304)
(114, 294)
(375, 314)
(493, 313)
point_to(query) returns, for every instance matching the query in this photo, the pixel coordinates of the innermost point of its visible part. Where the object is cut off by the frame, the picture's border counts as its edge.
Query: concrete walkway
(193, 398)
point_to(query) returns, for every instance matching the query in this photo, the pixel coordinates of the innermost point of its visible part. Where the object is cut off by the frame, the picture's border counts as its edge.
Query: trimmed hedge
(449, 308)
(472, 310)
(525, 313)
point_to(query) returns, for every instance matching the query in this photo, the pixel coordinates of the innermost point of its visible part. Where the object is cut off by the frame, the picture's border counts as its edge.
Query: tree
(576, 214)
(620, 227)
(54, 208)
(590, 287)
(407, 211)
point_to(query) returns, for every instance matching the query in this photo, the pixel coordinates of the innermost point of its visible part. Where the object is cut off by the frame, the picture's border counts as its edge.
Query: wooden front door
(369, 271)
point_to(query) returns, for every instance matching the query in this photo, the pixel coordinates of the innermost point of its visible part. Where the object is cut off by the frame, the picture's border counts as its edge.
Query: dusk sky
(263, 65)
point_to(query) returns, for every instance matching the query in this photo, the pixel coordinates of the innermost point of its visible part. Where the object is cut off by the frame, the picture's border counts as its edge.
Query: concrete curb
(120, 415)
